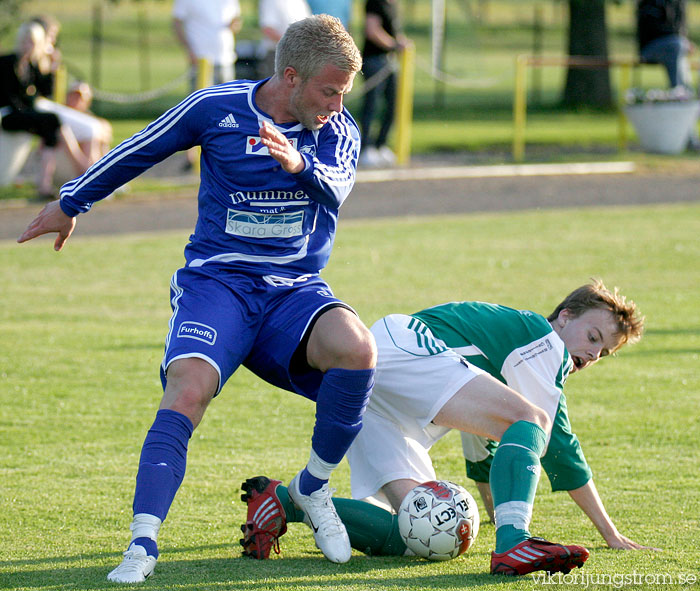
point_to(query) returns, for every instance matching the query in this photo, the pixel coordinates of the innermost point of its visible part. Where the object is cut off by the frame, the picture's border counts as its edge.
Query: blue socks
(341, 402)
(161, 468)
(308, 483)
(148, 544)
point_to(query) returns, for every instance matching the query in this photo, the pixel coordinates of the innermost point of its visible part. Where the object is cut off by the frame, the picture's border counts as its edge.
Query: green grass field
(82, 340)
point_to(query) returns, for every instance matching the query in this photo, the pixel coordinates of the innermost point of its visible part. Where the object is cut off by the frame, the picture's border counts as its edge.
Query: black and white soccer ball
(438, 520)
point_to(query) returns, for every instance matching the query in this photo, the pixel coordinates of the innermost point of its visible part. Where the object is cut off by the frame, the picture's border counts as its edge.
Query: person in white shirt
(274, 17)
(206, 30)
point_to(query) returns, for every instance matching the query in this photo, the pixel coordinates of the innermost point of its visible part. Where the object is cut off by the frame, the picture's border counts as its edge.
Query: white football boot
(136, 566)
(320, 515)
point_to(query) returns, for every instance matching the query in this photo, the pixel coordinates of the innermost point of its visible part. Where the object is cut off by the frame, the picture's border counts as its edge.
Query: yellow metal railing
(404, 104)
(60, 85)
(205, 77)
(205, 73)
(404, 99)
(523, 62)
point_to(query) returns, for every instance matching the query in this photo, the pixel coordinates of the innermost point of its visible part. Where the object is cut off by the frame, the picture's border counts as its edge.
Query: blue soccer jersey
(253, 215)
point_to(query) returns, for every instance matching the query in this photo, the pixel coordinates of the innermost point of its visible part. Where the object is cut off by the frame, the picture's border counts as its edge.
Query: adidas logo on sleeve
(228, 121)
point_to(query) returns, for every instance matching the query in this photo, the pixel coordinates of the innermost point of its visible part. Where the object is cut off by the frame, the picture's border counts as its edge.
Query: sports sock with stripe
(515, 472)
(161, 469)
(341, 402)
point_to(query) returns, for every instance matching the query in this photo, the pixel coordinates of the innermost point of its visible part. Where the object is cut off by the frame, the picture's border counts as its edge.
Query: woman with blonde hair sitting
(21, 82)
(92, 133)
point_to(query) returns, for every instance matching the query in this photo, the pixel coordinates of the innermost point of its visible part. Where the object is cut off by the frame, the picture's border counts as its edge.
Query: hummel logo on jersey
(228, 121)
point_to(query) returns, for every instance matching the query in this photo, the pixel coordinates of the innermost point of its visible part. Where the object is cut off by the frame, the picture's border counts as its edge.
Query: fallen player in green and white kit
(496, 374)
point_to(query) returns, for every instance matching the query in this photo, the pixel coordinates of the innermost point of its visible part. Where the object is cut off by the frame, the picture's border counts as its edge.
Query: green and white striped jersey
(519, 348)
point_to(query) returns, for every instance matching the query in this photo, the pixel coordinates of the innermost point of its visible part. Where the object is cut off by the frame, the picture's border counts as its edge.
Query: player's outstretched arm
(588, 499)
(50, 219)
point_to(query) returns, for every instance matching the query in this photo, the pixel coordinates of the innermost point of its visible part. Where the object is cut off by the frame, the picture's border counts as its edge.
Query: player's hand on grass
(620, 542)
(280, 149)
(50, 219)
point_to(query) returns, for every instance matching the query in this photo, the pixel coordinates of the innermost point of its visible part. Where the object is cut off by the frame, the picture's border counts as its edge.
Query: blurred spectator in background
(661, 34)
(51, 59)
(274, 17)
(92, 133)
(206, 29)
(79, 98)
(383, 38)
(341, 9)
(662, 38)
(24, 76)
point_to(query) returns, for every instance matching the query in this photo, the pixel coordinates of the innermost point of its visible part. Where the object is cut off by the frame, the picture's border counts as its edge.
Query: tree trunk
(588, 36)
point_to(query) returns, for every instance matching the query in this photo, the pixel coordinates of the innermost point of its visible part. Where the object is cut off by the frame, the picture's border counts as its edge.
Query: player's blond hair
(594, 295)
(311, 43)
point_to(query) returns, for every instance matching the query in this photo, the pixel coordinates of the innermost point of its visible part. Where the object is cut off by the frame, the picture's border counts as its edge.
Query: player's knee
(190, 403)
(540, 418)
(349, 345)
(359, 351)
(364, 349)
(532, 414)
(191, 384)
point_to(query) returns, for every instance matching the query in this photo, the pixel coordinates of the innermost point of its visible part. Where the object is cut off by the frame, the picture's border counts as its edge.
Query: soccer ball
(438, 520)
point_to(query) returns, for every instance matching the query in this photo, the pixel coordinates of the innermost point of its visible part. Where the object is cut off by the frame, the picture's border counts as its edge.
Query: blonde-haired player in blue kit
(278, 159)
(496, 374)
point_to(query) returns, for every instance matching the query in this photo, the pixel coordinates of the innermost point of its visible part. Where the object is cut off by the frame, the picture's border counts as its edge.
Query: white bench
(15, 147)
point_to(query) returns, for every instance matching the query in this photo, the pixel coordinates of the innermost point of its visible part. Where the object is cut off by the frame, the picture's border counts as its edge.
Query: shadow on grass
(241, 573)
(101, 555)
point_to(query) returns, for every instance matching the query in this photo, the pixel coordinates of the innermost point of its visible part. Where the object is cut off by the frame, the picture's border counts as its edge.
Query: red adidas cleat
(266, 520)
(538, 554)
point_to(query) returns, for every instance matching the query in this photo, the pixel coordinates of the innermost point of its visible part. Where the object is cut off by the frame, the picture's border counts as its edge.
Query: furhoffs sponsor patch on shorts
(197, 331)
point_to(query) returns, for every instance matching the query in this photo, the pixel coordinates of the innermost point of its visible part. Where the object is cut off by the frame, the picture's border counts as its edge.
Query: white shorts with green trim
(416, 375)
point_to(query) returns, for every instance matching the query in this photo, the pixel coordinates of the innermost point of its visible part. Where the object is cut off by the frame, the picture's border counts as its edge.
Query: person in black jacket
(662, 38)
(21, 81)
(383, 38)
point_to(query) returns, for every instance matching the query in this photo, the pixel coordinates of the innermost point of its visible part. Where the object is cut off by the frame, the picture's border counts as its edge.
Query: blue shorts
(229, 318)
